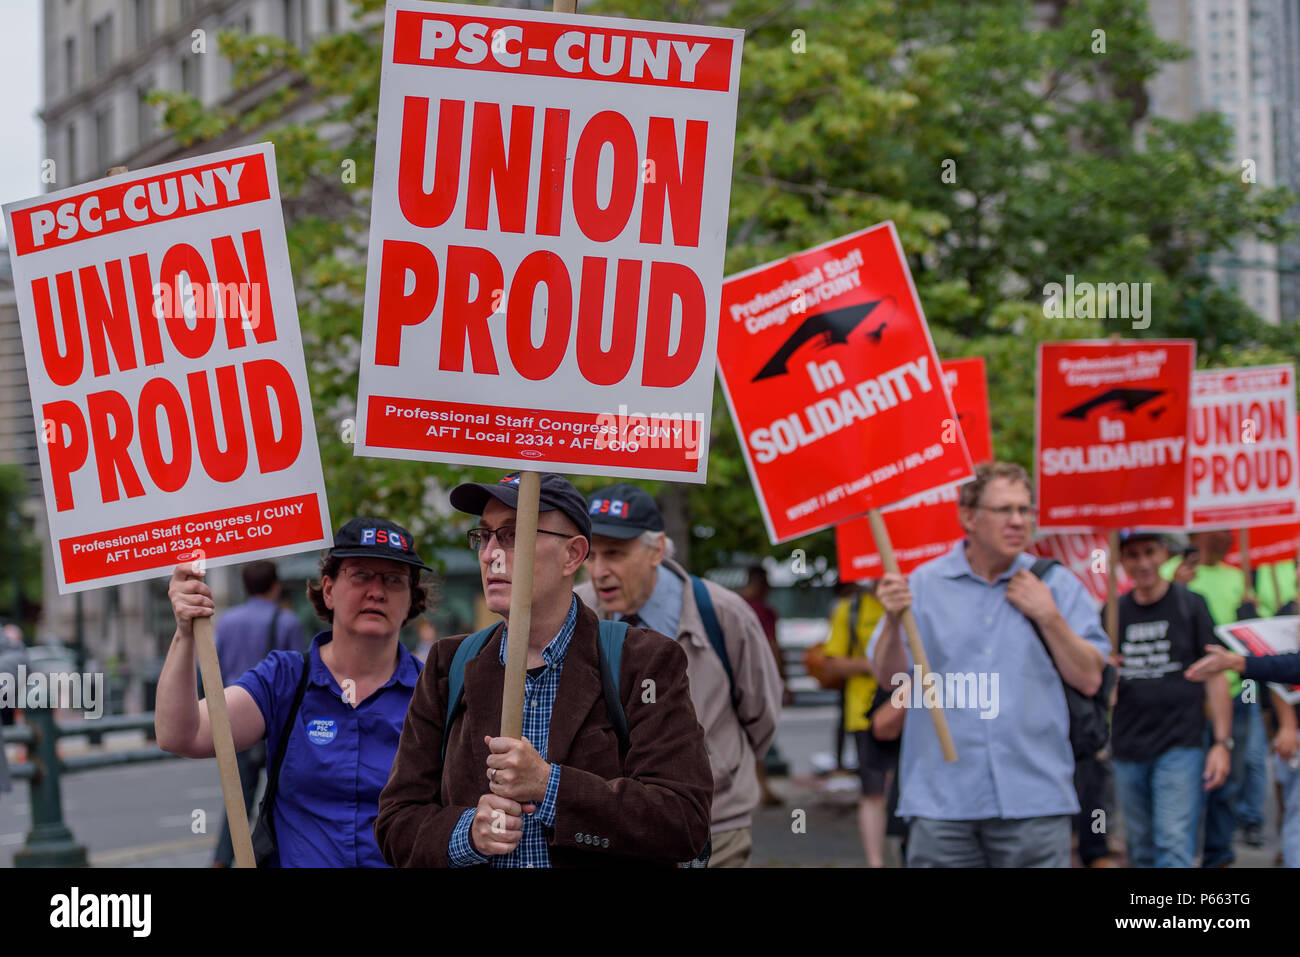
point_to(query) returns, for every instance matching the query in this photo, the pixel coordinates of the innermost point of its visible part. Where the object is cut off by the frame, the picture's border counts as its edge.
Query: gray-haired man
(735, 686)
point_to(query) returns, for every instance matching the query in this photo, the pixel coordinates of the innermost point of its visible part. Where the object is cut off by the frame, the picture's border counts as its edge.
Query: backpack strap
(1040, 568)
(469, 648)
(714, 630)
(609, 647)
(281, 746)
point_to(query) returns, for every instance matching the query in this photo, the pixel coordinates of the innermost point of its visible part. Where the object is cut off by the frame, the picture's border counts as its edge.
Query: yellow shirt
(859, 689)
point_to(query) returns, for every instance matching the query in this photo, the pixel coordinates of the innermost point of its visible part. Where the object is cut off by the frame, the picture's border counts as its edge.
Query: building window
(143, 114)
(190, 78)
(71, 172)
(331, 16)
(102, 33)
(70, 64)
(143, 23)
(103, 139)
(294, 21)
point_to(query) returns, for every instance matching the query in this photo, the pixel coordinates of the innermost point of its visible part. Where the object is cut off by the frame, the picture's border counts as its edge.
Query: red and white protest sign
(1268, 544)
(1260, 637)
(831, 376)
(547, 236)
(1243, 448)
(1111, 438)
(924, 526)
(1085, 554)
(166, 370)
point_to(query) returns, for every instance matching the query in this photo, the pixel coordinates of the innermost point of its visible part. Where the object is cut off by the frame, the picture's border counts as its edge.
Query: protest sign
(166, 370)
(1265, 636)
(1087, 555)
(1243, 448)
(1268, 544)
(1111, 437)
(831, 377)
(547, 238)
(1245, 438)
(924, 526)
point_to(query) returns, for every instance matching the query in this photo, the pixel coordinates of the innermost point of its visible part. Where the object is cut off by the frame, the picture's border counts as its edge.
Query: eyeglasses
(362, 577)
(1028, 512)
(479, 537)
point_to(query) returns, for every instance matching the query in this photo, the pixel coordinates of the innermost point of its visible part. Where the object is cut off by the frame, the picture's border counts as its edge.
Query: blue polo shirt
(338, 758)
(1003, 696)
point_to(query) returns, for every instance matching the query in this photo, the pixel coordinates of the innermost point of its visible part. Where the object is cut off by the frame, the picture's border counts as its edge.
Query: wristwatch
(1226, 742)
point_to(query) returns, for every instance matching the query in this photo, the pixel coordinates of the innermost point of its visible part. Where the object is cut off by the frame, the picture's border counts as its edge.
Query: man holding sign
(1007, 801)
(569, 792)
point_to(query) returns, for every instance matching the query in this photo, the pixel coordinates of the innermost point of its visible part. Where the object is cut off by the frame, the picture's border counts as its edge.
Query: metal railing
(50, 843)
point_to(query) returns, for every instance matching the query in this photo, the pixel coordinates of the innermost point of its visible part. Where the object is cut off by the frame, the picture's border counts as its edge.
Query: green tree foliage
(1008, 152)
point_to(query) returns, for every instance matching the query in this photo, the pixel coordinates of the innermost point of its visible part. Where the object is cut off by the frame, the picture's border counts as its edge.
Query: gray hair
(652, 539)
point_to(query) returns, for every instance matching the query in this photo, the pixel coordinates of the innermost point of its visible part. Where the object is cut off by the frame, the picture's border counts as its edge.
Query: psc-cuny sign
(833, 383)
(1111, 437)
(166, 370)
(924, 526)
(1243, 448)
(547, 237)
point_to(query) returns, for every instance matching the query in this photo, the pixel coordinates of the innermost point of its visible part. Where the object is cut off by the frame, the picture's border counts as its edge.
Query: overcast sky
(20, 98)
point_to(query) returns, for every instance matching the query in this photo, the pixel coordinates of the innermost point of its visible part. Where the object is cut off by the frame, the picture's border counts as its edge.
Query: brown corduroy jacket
(653, 809)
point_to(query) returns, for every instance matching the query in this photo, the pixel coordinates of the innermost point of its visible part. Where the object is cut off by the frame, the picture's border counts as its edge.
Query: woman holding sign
(352, 688)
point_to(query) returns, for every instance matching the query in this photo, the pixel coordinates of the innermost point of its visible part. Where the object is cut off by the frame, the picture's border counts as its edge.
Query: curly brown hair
(421, 592)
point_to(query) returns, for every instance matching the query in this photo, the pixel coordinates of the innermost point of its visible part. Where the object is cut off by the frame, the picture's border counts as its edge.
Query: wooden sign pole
(887, 560)
(1112, 592)
(521, 604)
(1243, 546)
(521, 575)
(223, 742)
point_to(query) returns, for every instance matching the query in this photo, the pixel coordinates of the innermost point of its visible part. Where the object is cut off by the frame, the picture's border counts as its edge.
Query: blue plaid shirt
(539, 699)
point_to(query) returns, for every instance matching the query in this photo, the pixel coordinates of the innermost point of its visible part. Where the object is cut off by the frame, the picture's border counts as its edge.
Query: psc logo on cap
(383, 536)
(609, 506)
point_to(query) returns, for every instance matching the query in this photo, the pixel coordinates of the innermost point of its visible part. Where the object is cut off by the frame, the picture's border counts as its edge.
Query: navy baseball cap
(1127, 535)
(623, 511)
(376, 538)
(557, 494)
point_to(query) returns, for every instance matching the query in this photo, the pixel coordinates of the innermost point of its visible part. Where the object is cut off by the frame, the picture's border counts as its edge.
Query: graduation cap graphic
(832, 328)
(1129, 400)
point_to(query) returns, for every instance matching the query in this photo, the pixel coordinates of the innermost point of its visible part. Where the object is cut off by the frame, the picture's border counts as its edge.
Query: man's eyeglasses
(1028, 512)
(479, 537)
(362, 577)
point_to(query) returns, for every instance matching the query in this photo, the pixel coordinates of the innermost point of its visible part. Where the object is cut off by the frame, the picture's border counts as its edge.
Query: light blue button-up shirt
(662, 611)
(1015, 761)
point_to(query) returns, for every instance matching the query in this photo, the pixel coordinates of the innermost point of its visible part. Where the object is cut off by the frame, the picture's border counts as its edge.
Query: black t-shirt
(1157, 708)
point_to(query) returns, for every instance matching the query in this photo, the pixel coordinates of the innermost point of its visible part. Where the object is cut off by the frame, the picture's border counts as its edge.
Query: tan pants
(731, 848)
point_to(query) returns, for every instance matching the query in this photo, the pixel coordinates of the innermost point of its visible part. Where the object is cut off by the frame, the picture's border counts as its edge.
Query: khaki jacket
(736, 737)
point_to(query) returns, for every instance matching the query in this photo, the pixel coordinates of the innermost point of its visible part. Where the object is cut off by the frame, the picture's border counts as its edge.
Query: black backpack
(1089, 716)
